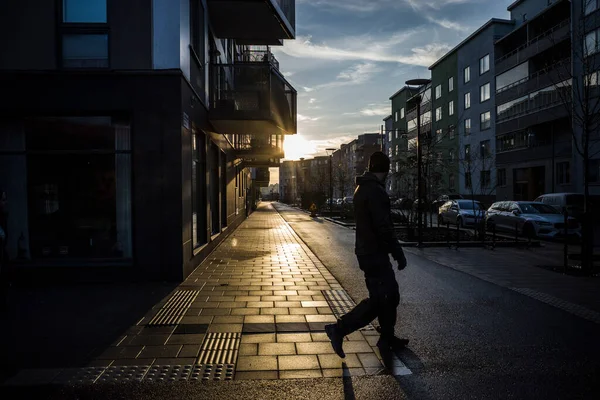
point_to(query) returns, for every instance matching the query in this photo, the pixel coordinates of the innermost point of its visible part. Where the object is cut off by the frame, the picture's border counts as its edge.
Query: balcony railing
(535, 40)
(534, 102)
(252, 98)
(539, 74)
(288, 7)
(258, 54)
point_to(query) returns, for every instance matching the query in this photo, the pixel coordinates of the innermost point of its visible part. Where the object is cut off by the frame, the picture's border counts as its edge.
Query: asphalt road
(469, 338)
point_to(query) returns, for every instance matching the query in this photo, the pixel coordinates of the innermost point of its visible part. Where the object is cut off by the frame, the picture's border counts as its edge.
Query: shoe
(393, 343)
(336, 338)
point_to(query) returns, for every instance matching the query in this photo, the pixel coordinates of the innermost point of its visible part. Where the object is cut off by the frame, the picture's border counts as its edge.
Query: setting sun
(296, 146)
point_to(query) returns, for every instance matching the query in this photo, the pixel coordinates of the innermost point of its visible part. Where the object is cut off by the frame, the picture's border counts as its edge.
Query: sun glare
(296, 147)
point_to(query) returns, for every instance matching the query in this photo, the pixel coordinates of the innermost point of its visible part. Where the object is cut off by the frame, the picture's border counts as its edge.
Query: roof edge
(513, 5)
(471, 36)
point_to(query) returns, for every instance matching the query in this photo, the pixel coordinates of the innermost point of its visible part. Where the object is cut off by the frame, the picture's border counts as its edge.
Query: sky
(350, 56)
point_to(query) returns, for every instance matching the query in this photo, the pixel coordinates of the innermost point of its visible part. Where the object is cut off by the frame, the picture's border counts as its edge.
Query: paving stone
(99, 363)
(197, 320)
(303, 311)
(273, 298)
(292, 327)
(261, 293)
(257, 363)
(247, 298)
(133, 361)
(321, 318)
(146, 340)
(275, 349)
(248, 349)
(160, 351)
(300, 374)
(334, 361)
(321, 303)
(324, 310)
(259, 319)
(317, 326)
(274, 311)
(157, 330)
(298, 362)
(285, 293)
(298, 298)
(258, 338)
(333, 373)
(229, 319)
(189, 350)
(191, 329)
(259, 328)
(314, 348)
(245, 311)
(175, 361)
(369, 360)
(319, 337)
(205, 304)
(293, 337)
(215, 311)
(357, 347)
(254, 375)
(280, 319)
(113, 353)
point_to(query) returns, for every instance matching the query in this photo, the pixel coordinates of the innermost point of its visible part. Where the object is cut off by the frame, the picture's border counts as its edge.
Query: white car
(530, 219)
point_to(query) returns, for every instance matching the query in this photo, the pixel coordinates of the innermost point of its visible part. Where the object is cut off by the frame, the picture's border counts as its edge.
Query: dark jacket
(374, 228)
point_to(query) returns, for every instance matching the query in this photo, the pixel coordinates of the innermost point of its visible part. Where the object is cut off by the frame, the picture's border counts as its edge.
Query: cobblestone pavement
(254, 309)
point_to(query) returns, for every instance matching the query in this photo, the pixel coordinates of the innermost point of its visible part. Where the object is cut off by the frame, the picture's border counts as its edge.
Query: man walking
(375, 240)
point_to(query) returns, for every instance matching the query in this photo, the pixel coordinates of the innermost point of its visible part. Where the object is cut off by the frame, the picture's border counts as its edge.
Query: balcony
(538, 80)
(251, 99)
(539, 107)
(259, 151)
(540, 43)
(258, 54)
(265, 22)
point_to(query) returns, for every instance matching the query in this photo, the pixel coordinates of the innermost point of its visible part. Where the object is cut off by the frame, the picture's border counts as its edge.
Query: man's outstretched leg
(358, 317)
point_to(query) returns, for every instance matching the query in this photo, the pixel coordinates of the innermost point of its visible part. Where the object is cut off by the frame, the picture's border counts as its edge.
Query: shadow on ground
(68, 325)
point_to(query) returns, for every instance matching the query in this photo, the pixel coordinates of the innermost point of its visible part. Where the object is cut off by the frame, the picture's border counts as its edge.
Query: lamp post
(418, 98)
(330, 154)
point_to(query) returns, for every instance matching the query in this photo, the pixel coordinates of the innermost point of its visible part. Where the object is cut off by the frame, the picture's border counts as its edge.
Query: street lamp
(330, 154)
(418, 98)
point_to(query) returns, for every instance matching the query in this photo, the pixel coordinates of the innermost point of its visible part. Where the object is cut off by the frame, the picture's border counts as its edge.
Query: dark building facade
(134, 135)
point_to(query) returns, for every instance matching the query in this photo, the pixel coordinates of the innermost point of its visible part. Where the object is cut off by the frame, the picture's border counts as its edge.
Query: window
(438, 91)
(198, 183)
(451, 155)
(594, 169)
(563, 173)
(451, 131)
(397, 133)
(397, 152)
(484, 64)
(438, 113)
(590, 45)
(484, 179)
(450, 84)
(467, 126)
(467, 74)
(484, 149)
(197, 41)
(389, 136)
(501, 177)
(84, 11)
(438, 135)
(520, 73)
(468, 180)
(485, 121)
(467, 152)
(484, 92)
(451, 108)
(390, 152)
(590, 6)
(84, 34)
(402, 113)
(396, 116)
(592, 79)
(467, 100)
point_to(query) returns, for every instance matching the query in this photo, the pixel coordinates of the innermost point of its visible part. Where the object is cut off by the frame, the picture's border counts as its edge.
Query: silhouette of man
(375, 240)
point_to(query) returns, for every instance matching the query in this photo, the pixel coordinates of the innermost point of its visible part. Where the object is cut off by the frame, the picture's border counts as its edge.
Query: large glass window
(438, 113)
(84, 11)
(402, 113)
(512, 108)
(450, 84)
(451, 108)
(590, 6)
(485, 121)
(517, 74)
(484, 64)
(591, 43)
(438, 91)
(467, 100)
(78, 192)
(85, 51)
(467, 124)
(484, 92)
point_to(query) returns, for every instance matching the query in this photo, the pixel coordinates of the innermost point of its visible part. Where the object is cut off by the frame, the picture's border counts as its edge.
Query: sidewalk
(521, 270)
(254, 309)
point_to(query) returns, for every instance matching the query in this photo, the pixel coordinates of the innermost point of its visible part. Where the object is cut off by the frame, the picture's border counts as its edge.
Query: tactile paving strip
(340, 303)
(220, 348)
(114, 374)
(174, 309)
(79, 376)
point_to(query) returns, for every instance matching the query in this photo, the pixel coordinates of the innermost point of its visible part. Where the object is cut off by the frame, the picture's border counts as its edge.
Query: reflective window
(512, 76)
(85, 51)
(438, 113)
(84, 11)
(467, 124)
(484, 64)
(438, 91)
(450, 84)
(467, 100)
(484, 92)
(485, 120)
(467, 74)
(451, 108)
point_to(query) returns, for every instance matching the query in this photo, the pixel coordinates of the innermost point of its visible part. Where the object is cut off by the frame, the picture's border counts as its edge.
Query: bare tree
(576, 88)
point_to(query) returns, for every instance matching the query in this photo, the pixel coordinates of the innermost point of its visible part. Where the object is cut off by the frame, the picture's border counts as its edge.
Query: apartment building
(131, 131)
(398, 143)
(536, 66)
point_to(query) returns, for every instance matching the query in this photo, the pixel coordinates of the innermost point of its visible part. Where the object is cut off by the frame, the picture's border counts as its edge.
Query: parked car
(529, 218)
(462, 213)
(443, 199)
(573, 202)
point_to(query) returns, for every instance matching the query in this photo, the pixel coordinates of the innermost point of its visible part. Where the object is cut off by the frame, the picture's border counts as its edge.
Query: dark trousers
(383, 300)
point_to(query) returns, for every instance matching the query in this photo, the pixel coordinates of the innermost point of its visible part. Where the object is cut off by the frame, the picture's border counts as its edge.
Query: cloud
(435, 4)
(289, 74)
(373, 110)
(304, 118)
(368, 49)
(312, 101)
(352, 5)
(444, 23)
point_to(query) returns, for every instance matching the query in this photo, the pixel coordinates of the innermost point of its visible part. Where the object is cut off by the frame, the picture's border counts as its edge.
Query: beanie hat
(379, 162)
